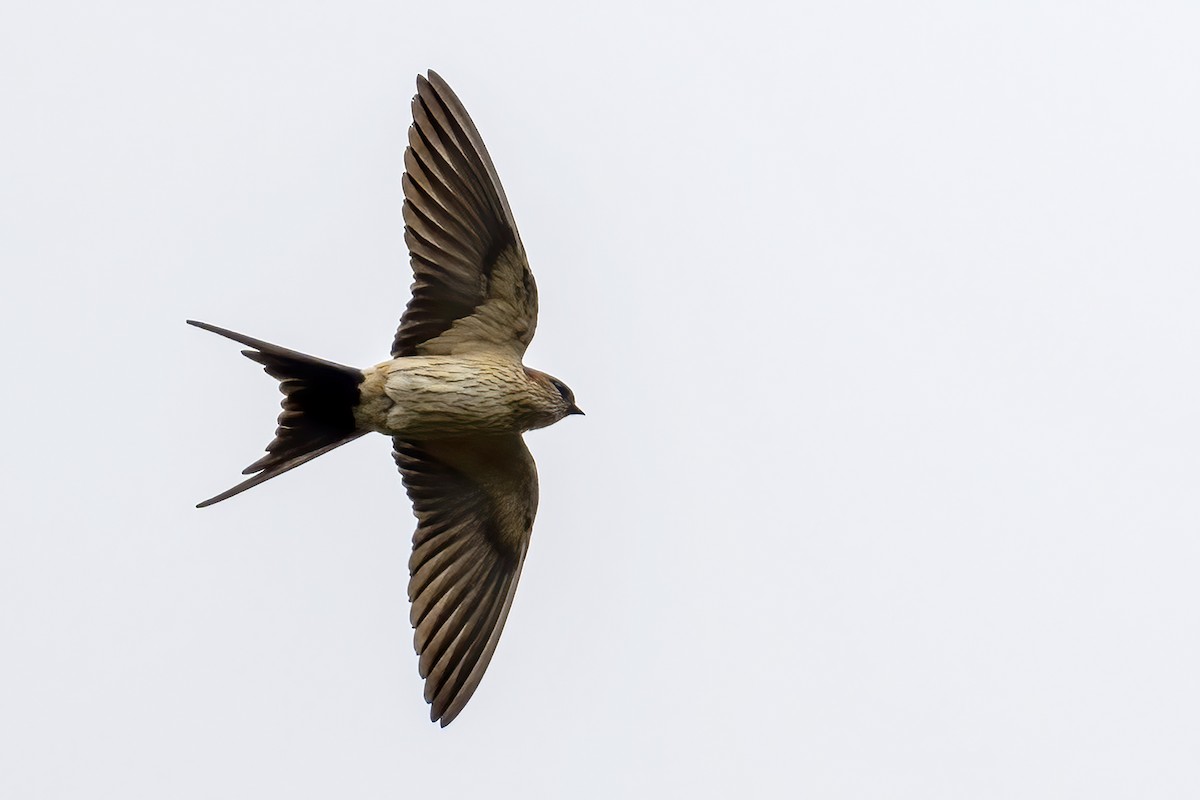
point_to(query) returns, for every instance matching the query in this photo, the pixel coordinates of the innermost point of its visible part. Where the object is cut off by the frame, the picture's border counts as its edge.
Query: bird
(455, 397)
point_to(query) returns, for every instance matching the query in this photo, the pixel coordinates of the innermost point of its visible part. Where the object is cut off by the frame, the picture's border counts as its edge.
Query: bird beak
(574, 409)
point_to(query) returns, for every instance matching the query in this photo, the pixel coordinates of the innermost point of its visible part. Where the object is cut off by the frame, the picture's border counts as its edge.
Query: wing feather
(472, 286)
(475, 501)
(458, 661)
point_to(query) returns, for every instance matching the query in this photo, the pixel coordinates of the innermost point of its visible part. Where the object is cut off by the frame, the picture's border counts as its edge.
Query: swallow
(455, 397)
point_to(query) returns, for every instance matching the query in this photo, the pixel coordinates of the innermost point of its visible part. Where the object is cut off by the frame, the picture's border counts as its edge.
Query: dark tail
(318, 408)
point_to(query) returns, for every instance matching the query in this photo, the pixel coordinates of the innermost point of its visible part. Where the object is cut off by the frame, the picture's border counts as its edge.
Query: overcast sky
(884, 316)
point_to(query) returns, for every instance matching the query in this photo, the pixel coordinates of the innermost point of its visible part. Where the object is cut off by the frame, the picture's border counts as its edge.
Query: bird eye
(563, 390)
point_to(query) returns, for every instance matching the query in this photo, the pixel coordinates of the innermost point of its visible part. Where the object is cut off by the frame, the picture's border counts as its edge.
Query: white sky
(885, 317)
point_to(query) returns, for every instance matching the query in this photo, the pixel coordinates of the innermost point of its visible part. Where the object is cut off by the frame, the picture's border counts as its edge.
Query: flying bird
(455, 397)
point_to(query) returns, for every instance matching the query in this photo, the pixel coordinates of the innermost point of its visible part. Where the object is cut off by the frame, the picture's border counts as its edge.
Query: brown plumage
(455, 398)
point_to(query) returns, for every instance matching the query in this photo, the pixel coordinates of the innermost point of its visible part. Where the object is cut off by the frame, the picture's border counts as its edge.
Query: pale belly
(440, 396)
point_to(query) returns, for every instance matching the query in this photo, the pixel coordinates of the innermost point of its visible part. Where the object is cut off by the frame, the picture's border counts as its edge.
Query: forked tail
(318, 408)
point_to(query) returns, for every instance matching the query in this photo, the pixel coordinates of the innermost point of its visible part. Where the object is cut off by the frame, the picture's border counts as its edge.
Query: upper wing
(473, 289)
(475, 500)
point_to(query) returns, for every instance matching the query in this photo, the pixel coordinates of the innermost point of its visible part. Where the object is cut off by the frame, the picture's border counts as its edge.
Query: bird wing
(475, 500)
(472, 287)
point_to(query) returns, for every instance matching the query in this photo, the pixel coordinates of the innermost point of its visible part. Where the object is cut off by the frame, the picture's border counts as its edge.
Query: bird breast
(445, 396)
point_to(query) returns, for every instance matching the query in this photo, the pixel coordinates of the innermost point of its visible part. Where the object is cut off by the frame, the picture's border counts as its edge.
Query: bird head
(558, 397)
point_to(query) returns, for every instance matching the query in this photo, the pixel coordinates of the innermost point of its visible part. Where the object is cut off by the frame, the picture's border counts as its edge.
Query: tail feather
(318, 408)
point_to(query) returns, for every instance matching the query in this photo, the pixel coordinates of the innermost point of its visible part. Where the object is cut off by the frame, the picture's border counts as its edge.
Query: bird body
(455, 397)
(446, 396)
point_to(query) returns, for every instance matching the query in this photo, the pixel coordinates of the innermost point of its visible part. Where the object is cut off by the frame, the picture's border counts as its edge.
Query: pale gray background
(884, 317)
